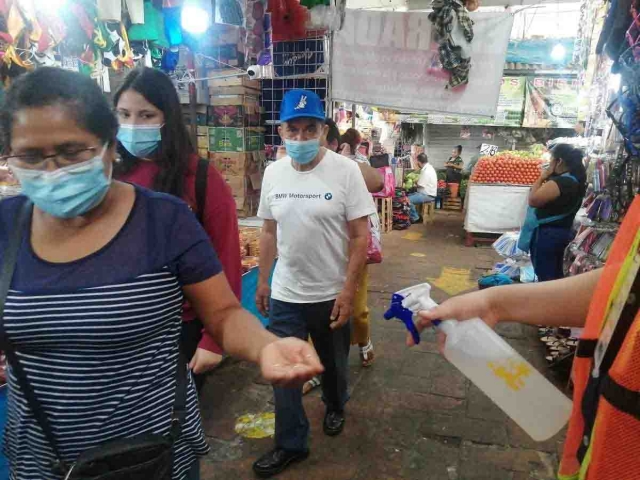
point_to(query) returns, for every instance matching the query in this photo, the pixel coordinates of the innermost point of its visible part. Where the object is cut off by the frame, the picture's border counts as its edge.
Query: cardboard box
(236, 139)
(233, 99)
(233, 164)
(203, 141)
(203, 152)
(230, 78)
(234, 116)
(218, 91)
(203, 131)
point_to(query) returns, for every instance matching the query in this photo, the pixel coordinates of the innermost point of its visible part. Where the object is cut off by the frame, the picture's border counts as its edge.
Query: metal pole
(353, 115)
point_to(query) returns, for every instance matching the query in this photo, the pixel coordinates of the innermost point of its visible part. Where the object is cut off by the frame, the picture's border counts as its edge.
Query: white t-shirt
(428, 181)
(312, 210)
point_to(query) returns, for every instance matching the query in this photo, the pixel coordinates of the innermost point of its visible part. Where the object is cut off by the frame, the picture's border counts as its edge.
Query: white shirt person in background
(315, 207)
(427, 186)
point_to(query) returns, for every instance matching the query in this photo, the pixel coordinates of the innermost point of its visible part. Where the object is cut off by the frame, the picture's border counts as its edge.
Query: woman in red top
(157, 153)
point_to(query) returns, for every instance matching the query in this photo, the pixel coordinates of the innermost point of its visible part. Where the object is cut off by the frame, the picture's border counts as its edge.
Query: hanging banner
(389, 59)
(551, 102)
(509, 113)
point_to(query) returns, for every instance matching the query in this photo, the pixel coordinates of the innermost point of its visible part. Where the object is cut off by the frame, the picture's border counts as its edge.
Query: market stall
(497, 196)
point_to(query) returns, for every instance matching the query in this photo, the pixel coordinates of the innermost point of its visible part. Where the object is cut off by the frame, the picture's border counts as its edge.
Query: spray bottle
(486, 359)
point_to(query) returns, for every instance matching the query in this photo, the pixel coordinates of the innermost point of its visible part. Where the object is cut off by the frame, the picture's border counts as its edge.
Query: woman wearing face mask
(157, 153)
(93, 311)
(556, 197)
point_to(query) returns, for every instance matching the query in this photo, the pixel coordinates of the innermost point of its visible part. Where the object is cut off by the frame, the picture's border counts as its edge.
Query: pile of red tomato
(508, 169)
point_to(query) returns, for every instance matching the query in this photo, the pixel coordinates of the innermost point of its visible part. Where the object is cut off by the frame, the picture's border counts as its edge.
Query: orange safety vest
(603, 439)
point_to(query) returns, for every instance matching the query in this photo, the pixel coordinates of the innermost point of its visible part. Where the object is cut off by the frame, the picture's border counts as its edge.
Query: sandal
(366, 354)
(311, 384)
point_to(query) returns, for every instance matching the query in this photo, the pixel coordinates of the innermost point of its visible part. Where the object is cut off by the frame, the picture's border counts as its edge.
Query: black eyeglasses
(61, 159)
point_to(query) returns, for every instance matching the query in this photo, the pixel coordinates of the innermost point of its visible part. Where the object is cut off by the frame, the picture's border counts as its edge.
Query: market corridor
(411, 415)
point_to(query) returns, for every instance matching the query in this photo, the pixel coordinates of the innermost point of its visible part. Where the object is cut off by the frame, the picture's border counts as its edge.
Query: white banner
(389, 59)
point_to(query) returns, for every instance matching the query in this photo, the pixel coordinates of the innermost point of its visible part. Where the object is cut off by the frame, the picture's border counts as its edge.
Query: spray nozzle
(396, 310)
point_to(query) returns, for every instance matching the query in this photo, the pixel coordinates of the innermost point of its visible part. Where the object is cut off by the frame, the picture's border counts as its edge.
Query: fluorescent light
(195, 19)
(558, 52)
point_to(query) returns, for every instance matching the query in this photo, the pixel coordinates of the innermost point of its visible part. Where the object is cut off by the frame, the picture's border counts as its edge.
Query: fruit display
(509, 168)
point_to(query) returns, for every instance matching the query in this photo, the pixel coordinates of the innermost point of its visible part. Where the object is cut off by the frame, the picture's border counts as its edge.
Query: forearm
(267, 258)
(558, 303)
(536, 186)
(240, 334)
(357, 261)
(372, 178)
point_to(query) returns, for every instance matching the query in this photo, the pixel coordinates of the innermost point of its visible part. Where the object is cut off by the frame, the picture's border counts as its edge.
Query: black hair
(572, 157)
(353, 138)
(333, 134)
(459, 147)
(78, 94)
(176, 147)
(423, 159)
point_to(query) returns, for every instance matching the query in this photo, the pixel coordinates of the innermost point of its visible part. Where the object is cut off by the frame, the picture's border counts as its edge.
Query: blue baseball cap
(301, 104)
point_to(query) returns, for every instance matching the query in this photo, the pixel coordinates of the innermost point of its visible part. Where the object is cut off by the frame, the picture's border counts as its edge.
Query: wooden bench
(385, 212)
(428, 212)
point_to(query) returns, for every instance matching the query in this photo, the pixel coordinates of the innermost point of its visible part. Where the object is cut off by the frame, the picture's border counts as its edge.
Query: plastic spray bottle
(486, 359)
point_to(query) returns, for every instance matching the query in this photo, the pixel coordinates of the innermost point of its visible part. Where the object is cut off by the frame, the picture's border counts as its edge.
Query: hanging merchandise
(152, 30)
(454, 30)
(288, 19)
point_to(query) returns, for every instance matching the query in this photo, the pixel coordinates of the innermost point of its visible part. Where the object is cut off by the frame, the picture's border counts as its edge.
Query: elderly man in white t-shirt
(315, 207)
(427, 187)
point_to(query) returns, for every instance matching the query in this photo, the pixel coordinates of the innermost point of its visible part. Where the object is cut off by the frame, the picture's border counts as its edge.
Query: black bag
(143, 457)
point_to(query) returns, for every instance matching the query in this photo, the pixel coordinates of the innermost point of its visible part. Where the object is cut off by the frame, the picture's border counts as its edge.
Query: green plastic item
(152, 29)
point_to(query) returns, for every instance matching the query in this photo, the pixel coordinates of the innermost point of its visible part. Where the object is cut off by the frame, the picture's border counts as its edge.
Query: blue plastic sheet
(249, 287)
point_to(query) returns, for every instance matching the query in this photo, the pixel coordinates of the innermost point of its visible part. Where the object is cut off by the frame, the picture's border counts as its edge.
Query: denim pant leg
(292, 425)
(333, 349)
(194, 471)
(547, 252)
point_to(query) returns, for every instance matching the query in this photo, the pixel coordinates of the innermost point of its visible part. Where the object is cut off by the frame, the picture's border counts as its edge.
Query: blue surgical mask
(304, 151)
(67, 192)
(140, 140)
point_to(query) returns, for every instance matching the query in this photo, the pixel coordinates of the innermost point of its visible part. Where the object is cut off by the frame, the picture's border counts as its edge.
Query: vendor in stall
(454, 165)
(427, 187)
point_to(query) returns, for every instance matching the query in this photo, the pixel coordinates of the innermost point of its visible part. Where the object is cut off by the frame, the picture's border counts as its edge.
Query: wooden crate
(385, 211)
(428, 212)
(454, 204)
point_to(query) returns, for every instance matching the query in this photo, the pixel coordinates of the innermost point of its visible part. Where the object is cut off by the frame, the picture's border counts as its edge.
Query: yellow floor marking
(453, 280)
(420, 255)
(261, 425)
(413, 236)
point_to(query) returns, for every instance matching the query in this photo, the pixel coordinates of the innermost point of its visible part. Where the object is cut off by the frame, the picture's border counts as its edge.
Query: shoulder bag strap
(8, 267)
(202, 177)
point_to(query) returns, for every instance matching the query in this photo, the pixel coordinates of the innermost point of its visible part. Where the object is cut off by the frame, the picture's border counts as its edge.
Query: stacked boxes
(236, 139)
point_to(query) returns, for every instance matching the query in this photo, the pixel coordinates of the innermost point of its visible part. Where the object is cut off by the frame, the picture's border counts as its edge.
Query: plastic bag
(374, 243)
(389, 183)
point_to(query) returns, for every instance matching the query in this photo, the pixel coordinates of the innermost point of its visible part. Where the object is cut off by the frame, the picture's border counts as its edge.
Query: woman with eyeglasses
(157, 153)
(94, 308)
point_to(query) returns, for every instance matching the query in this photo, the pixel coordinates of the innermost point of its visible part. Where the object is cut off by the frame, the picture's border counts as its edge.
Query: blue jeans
(418, 199)
(301, 320)
(547, 251)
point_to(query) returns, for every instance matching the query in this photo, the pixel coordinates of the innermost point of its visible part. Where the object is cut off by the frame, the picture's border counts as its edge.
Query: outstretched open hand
(289, 362)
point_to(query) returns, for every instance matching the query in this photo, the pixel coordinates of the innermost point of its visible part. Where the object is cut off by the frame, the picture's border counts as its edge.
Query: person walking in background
(556, 197)
(454, 166)
(315, 207)
(157, 153)
(427, 187)
(93, 308)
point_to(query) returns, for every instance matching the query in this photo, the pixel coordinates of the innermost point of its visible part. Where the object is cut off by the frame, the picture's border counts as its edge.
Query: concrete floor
(411, 415)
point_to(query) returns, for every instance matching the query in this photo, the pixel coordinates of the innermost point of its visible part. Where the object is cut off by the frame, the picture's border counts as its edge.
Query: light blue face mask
(302, 151)
(140, 140)
(67, 192)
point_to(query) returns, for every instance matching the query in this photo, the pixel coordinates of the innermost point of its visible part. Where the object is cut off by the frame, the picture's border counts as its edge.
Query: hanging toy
(288, 20)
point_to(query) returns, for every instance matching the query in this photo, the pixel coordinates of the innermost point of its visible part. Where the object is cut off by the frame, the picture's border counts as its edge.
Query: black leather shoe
(276, 461)
(333, 423)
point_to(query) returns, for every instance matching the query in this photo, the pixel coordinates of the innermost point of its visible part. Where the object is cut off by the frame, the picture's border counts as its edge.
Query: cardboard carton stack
(236, 139)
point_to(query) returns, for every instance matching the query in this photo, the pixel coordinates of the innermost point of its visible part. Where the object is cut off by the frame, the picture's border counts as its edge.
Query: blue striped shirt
(98, 337)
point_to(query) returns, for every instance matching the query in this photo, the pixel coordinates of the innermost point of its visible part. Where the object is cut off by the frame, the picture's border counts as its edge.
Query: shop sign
(490, 150)
(551, 102)
(390, 60)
